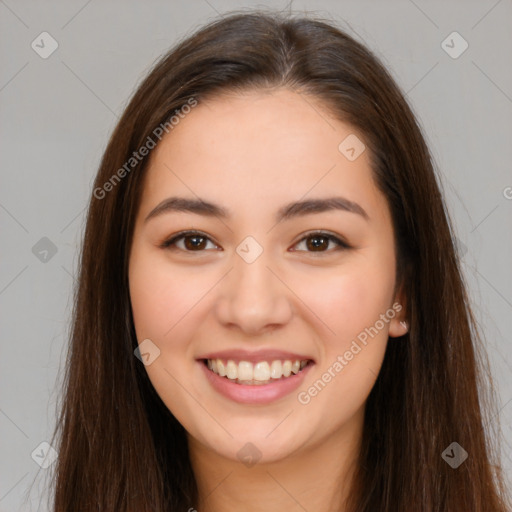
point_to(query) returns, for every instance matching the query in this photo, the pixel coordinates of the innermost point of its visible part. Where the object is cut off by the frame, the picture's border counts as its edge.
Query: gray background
(57, 114)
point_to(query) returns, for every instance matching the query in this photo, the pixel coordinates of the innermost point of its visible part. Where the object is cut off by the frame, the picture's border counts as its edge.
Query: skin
(252, 153)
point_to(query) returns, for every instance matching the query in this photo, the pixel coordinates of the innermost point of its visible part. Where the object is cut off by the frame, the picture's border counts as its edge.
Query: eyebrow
(291, 210)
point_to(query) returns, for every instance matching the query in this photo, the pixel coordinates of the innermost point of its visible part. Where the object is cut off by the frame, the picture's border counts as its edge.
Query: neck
(316, 478)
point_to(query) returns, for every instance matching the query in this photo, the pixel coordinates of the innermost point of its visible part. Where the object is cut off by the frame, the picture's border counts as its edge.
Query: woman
(270, 312)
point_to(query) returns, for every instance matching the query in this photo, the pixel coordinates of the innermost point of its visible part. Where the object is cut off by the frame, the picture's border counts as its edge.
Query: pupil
(317, 245)
(191, 242)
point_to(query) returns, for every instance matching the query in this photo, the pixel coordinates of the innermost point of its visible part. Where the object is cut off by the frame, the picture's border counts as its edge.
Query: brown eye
(192, 242)
(319, 242)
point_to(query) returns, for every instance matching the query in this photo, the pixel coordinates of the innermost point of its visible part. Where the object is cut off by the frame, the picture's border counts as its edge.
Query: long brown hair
(121, 449)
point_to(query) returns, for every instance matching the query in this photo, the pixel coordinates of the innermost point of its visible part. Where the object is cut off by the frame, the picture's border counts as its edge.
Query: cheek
(150, 301)
(352, 304)
(162, 305)
(161, 296)
(350, 300)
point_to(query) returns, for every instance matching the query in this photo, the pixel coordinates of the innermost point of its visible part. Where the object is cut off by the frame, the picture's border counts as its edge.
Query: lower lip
(259, 393)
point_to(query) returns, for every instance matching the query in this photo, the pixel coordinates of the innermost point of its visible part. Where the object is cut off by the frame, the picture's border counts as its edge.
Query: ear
(399, 325)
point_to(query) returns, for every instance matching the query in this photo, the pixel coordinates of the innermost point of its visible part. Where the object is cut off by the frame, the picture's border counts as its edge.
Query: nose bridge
(252, 296)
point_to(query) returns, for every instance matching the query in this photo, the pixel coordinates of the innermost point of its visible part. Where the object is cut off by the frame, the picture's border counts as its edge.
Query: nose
(253, 297)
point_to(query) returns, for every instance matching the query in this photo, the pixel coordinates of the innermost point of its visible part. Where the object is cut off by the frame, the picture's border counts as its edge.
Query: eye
(194, 241)
(319, 240)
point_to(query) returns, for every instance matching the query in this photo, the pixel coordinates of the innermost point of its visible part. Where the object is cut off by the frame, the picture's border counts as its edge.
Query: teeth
(276, 369)
(261, 372)
(231, 370)
(244, 370)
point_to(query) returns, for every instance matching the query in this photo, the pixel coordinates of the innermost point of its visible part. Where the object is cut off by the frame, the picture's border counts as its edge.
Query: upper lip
(255, 356)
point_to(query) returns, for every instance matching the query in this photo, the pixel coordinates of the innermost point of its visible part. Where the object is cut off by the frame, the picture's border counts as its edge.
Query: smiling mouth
(260, 373)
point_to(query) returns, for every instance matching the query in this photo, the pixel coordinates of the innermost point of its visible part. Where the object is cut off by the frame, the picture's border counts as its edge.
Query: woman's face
(262, 280)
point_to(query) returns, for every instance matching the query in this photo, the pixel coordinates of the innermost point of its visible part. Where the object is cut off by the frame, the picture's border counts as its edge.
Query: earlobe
(399, 326)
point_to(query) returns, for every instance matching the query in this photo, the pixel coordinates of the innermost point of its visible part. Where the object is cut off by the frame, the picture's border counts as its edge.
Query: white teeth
(245, 370)
(231, 370)
(276, 369)
(261, 372)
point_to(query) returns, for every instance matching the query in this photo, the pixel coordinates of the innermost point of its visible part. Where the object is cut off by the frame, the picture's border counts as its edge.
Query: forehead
(259, 148)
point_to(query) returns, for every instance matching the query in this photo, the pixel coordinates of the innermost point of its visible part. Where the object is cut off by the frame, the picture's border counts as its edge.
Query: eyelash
(341, 245)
